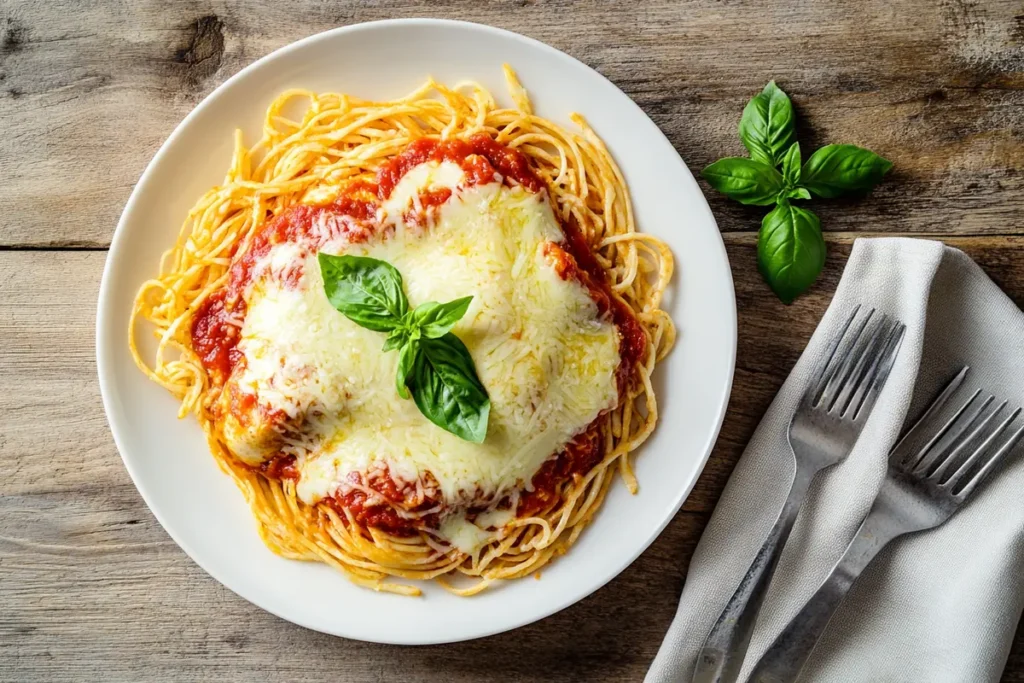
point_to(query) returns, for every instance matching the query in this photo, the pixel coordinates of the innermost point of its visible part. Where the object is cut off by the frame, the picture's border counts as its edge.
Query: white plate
(201, 508)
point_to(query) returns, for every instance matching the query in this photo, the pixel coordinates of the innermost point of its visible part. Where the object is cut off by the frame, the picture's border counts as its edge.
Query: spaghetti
(345, 152)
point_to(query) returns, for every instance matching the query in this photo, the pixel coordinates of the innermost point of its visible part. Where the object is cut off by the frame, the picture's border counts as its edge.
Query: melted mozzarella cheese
(424, 177)
(546, 359)
(463, 534)
(469, 536)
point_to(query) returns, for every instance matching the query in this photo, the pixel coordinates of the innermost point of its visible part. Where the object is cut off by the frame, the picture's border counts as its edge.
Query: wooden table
(91, 588)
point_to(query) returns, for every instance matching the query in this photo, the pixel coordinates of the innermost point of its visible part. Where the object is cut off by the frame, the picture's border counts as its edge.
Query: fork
(922, 489)
(830, 417)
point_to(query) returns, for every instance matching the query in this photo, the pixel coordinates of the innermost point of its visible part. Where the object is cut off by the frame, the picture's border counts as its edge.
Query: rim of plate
(106, 345)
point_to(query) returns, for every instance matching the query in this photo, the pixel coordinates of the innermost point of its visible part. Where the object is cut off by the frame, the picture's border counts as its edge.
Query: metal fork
(923, 488)
(826, 425)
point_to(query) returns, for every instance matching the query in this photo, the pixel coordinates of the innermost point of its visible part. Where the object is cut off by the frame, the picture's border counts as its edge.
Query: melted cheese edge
(546, 359)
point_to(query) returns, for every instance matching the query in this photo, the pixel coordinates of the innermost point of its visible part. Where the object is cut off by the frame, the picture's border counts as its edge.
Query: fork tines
(966, 448)
(859, 364)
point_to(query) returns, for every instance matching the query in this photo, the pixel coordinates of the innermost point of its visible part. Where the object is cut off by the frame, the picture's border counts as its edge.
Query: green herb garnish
(434, 366)
(790, 246)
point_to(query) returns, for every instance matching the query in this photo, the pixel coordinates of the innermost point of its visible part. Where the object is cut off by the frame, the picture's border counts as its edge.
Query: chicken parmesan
(463, 201)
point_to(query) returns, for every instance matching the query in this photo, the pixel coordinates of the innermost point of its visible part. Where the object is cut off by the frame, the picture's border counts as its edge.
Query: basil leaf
(365, 290)
(790, 250)
(836, 170)
(396, 340)
(745, 180)
(791, 165)
(436, 320)
(796, 193)
(767, 127)
(407, 360)
(447, 390)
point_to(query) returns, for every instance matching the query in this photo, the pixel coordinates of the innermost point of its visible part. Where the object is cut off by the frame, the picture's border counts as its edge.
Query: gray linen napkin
(937, 606)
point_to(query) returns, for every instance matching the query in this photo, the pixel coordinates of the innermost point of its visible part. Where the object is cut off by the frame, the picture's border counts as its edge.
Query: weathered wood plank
(93, 589)
(103, 595)
(87, 96)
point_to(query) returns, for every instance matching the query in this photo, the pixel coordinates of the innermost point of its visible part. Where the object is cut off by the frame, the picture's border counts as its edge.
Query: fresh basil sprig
(790, 246)
(434, 366)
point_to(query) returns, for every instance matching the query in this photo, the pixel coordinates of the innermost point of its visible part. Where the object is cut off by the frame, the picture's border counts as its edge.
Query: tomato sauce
(280, 467)
(352, 216)
(578, 457)
(574, 261)
(384, 515)
(215, 338)
(482, 159)
(430, 203)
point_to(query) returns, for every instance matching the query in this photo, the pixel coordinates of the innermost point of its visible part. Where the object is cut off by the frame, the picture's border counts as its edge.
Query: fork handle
(721, 657)
(788, 653)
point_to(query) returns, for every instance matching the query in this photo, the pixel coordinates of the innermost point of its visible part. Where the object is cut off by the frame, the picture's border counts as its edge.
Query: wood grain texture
(88, 94)
(91, 588)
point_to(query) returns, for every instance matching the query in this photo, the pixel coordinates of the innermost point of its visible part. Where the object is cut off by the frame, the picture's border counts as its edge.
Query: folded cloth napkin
(941, 605)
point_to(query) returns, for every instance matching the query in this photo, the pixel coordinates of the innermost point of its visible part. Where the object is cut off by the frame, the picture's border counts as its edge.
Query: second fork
(924, 486)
